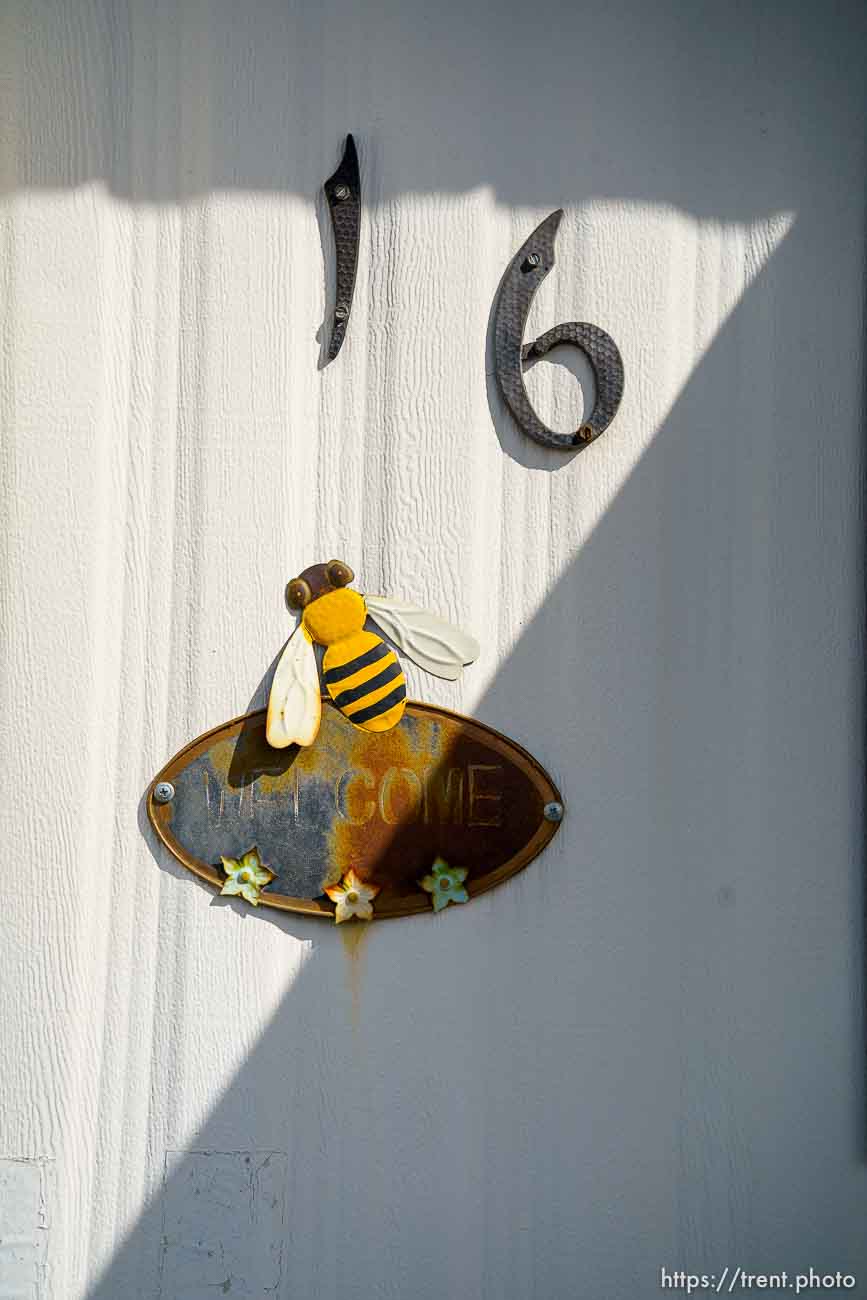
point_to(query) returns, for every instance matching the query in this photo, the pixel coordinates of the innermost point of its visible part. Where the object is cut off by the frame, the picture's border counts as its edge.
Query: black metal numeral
(528, 269)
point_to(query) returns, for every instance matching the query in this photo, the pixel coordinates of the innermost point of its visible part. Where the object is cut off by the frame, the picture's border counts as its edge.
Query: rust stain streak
(353, 935)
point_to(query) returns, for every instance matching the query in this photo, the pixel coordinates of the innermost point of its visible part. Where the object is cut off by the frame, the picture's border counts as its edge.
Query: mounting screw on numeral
(526, 272)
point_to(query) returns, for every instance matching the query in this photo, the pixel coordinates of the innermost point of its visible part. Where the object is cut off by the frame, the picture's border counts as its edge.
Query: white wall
(648, 1049)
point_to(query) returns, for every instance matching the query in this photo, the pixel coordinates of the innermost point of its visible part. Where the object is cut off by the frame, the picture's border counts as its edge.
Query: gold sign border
(160, 814)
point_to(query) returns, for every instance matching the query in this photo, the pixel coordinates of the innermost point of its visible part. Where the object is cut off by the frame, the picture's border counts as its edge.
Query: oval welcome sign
(437, 794)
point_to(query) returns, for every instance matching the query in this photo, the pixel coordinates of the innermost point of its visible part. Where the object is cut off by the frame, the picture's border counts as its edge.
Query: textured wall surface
(649, 1048)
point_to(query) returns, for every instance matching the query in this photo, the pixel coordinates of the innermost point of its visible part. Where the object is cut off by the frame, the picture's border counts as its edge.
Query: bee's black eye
(339, 574)
(298, 593)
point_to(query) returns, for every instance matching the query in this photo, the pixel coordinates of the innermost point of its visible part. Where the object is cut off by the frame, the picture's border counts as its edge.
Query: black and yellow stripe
(365, 681)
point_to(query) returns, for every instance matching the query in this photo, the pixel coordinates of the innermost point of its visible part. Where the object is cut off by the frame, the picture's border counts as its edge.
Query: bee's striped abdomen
(365, 681)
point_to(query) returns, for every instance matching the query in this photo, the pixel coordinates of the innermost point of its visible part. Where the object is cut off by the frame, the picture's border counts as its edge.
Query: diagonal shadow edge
(629, 533)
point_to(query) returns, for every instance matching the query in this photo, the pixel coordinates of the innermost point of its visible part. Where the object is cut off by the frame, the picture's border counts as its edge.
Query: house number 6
(526, 272)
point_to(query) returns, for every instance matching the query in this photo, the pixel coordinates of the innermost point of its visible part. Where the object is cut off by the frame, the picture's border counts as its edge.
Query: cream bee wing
(294, 705)
(434, 644)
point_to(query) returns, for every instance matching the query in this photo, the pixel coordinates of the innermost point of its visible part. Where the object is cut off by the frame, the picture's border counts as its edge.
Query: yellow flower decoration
(354, 898)
(247, 877)
(445, 885)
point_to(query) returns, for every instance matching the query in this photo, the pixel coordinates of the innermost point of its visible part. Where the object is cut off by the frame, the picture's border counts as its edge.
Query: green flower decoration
(445, 884)
(247, 877)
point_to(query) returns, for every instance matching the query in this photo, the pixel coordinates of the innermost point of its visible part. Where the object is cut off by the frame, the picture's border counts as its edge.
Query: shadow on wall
(706, 774)
(189, 99)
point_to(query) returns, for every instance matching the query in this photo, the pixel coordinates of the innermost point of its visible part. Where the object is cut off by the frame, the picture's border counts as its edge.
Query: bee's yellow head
(334, 616)
(331, 611)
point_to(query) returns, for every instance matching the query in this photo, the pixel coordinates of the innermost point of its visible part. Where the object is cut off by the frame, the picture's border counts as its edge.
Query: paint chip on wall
(23, 1229)
(223, 1224)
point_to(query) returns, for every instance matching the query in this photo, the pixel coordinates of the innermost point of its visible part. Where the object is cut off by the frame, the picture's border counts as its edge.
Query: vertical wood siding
(646, 1050)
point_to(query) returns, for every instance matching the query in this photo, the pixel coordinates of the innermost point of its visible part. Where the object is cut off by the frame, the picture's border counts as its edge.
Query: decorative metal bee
(360, 672)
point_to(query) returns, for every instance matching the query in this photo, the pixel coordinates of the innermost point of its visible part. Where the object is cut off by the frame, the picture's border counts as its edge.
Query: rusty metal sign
(438, 803)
